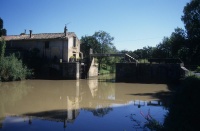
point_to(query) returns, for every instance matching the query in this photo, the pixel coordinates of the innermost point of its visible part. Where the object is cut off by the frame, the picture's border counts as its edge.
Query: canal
(83, 105)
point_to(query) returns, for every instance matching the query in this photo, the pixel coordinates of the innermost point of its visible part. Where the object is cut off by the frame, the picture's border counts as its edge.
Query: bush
(184, 113)
(198, 69)
(12, 69)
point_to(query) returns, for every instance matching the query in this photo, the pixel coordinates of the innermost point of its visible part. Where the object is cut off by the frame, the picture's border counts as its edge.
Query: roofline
(29, 39)
(32, 39)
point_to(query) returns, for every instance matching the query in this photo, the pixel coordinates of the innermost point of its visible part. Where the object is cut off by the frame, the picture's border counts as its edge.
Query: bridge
(126, 57)
(130, 70)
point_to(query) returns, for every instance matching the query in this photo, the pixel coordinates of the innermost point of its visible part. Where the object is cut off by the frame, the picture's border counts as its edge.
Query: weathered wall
(70, 70)
(93, 69)
(58, 48)
(73, 50)
(148, 73)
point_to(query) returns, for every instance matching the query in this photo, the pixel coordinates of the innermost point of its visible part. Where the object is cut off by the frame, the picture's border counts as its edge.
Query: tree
(178, 41)
(87, 43)
(11, 68)
(105, 40)
(100, 42)
(191, 19)
(2, 30)
(163, 49)
(2, 49)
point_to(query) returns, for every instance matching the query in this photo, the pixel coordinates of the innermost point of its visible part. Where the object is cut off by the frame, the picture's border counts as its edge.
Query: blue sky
(133, 23)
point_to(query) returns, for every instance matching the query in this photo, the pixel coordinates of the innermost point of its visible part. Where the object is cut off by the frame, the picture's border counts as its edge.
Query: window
(74, 42)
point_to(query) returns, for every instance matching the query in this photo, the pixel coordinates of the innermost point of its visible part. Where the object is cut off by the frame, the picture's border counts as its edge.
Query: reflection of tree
(10, 92)
(150, 122)
(106, 90)
(100, 112)
(101, 90)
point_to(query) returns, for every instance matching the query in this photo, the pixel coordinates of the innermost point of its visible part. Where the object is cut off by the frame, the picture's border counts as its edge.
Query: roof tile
(38, 36)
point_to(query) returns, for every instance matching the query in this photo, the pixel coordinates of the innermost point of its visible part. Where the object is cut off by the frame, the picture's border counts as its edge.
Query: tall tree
(191, 19)
(100, 42)
(2, 49)
(178, 41)
(105, 40)
(87, 43)
(2, 30)
(164, 48)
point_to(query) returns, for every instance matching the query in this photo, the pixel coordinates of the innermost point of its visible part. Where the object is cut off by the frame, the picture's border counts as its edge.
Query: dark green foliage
(2, 49)
(1, 23)
(184, 113)
(198, 69)
(87, 43)
(153, 125)
(105, 41)
(10, 67)
(191, 19)
(2, 30)
(100, 42)
(13, 69)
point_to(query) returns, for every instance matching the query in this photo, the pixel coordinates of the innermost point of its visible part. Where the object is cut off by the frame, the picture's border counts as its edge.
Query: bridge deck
(115, 55)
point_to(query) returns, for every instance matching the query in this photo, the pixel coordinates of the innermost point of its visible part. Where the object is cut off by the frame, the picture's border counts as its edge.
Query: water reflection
(75, 103)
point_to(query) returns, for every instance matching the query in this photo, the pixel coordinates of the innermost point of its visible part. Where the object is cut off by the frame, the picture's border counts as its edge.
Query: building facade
(59, 46)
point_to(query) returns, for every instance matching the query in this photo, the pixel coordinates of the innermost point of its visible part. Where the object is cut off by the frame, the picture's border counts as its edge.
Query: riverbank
(184, 113)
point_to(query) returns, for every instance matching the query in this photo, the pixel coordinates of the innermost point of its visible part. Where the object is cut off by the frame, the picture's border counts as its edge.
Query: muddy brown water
(93, 104)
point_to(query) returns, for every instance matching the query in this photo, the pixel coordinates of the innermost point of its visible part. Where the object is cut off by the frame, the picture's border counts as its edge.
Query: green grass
(143, 61)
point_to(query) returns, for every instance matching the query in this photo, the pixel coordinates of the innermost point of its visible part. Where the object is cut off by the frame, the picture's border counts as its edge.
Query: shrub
(198, 69)
(12, 69)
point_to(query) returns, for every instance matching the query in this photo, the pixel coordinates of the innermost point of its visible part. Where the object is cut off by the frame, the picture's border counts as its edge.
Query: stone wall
(70, 70)
(149, 73)
(93, 69)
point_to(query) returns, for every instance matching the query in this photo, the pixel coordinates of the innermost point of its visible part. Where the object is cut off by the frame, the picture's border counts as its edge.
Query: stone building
(60, 46)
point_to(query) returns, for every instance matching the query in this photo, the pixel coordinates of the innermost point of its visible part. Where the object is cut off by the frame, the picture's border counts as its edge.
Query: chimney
(65, 30)
(30, 33)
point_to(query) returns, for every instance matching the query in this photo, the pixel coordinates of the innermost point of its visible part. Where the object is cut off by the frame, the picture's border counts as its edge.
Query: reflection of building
(139, 103)
(54, 101)
(73, 108)
(61, 101)
(93, 85)
(154, 103)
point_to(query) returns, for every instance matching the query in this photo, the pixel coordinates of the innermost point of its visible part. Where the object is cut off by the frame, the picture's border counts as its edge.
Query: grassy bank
(107, 70)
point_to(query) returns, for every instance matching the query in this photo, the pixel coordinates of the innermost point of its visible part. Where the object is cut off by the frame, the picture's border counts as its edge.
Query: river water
(83, 105)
